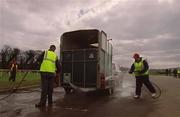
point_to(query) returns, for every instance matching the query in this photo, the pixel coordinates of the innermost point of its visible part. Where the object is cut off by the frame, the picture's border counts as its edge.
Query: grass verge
(32, 78)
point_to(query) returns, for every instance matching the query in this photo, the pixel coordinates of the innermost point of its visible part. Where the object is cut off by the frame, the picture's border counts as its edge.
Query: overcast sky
(149, 27)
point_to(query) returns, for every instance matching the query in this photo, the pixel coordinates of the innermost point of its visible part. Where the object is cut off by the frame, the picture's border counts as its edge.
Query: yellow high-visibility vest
(139, 66)
(178, 71)
(48, 64)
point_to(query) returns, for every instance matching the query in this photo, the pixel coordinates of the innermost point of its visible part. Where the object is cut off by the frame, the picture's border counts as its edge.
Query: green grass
(32, 78)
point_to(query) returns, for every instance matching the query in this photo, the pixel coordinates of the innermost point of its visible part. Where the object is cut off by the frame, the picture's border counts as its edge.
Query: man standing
(13, 70)
(47, 71)
(140, 69)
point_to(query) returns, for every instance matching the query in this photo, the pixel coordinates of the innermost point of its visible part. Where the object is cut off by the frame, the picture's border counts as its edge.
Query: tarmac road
(95, 104)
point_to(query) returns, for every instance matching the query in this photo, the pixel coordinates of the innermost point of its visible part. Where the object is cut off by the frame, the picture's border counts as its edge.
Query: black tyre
(109, 91)
(67, 90)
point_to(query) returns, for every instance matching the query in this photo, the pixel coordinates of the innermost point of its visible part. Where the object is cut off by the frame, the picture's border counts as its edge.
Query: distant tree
(29, 59)
(5, 56)
(13, 55)
(21, 60)
(26, 59)
(36, 62)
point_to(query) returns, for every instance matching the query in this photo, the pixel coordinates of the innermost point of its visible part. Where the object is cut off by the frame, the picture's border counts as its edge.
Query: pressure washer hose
(158, 88)
(14, 90)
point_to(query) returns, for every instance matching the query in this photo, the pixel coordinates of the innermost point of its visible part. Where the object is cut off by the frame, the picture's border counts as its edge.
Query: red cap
(136, 55)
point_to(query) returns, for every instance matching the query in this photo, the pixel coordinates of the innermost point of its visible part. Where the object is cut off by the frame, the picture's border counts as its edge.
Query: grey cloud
(145, 26)
(139, 20)
(14, 28)
(142, 22)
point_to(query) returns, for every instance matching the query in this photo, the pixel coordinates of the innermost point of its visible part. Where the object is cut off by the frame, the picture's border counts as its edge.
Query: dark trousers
(46, 87)
(140, 80)
(12, 76)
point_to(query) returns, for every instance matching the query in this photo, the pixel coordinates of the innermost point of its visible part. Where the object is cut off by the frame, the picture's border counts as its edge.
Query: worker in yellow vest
(140, 69)
(47, 70)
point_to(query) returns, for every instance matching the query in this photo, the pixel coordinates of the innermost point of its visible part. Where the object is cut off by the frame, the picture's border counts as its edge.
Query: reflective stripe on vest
(48, 63)
(139, 66)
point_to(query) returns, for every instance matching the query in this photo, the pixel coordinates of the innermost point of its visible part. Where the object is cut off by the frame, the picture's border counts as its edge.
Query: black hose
(159, 90)
(14, 90)
(29, 91)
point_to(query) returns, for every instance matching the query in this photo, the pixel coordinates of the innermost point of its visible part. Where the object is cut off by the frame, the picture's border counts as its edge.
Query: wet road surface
(96, 104)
